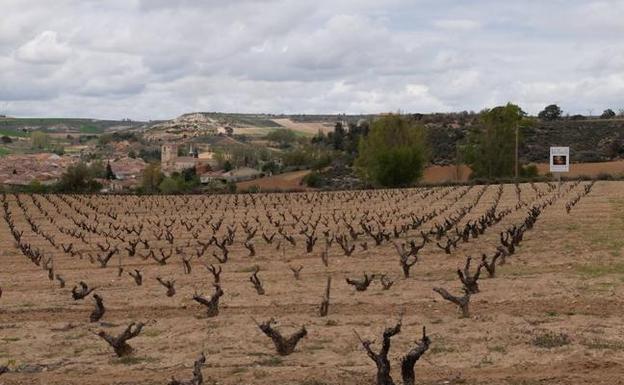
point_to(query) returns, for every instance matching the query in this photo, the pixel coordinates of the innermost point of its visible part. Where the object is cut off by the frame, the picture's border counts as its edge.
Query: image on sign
(560, 160)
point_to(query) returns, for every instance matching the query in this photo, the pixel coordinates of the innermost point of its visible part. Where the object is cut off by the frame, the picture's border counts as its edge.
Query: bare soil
(566, 277)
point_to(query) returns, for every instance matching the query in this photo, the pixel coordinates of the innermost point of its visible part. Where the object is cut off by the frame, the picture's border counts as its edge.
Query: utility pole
(516, 150)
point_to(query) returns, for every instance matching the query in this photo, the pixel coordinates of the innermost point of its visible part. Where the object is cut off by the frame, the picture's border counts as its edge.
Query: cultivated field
(552, 313)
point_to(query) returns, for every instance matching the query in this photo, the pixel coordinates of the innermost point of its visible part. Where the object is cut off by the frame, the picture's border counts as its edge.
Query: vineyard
(509, 284)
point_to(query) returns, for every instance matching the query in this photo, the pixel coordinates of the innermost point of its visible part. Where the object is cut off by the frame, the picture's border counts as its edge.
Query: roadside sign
(559, 159)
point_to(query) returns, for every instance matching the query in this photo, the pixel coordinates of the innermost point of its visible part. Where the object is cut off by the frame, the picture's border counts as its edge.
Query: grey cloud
(155, 59)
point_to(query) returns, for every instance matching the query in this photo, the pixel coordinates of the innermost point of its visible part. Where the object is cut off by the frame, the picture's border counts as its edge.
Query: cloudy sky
(155, 59)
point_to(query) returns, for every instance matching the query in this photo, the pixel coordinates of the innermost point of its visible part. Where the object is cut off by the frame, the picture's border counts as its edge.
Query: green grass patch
(498, 349)
(132, 360)
(4, 151)
(600, 270)
(13, 133)
(550, 340)
(248, 269)
(609, 236)
(151, 333)
(88, 129)
(270, 361)
(602, 344)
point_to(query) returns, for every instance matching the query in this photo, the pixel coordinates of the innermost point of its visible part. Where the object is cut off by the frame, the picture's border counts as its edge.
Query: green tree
(283, 137)
(36, 187)
(490, 150)
(338, 136)
(39, 140)
(97, 169)
(169, 185)
(394, 152)
(110, 175)
(152, 177)
(608, 114)
(78, 178)
(551, 112)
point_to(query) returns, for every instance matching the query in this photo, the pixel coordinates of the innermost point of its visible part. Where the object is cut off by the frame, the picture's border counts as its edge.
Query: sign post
(559, 161)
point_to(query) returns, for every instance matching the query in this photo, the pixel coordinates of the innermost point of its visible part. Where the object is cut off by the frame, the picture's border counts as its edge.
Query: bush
(313, 179)
(6, 139)
(253, 189)
(394, 152)
(604, 176)
(78, 178)
(551, 340)
(169, 186)
(528, 171)
(491, 144)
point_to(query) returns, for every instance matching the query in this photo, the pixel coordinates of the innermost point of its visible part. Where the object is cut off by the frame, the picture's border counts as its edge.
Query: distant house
(128, 168)
(211, 176)
(45, 168)
(242, 174)
(170, 162)
(236, 175)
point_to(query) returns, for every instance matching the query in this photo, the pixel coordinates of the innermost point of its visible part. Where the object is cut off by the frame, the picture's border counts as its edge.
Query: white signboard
(559, 159)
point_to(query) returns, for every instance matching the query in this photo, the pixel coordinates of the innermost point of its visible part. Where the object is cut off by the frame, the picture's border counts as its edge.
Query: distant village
(126, 148)
(47, 168)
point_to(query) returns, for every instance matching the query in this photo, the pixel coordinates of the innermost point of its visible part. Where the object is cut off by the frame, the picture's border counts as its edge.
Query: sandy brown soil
(309, 128)
(567, 277)
(285, 181)
(615, 168)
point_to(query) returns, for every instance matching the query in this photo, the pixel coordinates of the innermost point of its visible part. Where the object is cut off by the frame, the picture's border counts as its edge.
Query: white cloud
(45, 48)
(155, 59)
(457, 24)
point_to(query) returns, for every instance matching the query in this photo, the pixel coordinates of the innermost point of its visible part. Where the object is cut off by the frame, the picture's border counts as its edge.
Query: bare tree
(462, 302)
(186, 264)
(138, 278)
(284, 346)
(212, 304)
(324, 308)
(386, 283)
(360, 285)
(216, 272)
(99, 310)
(470, 281)
(120, 343)
(169, 285)
(408, 361)
(296, 271)
(198, 378)
(61, 281)
(84, 291)
(256, 281)
(490, 266)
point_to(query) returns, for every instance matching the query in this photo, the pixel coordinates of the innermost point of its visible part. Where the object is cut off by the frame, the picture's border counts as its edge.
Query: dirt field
(615, 168)
(566, 278)
(285, 181)
(307, 128)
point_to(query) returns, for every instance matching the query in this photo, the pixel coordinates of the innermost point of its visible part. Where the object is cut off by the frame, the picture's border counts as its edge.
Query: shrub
(551, 340)
(78, 178)
(394, 152)
(529, 171)
(604, 176)
(313, 179)
(169, 186)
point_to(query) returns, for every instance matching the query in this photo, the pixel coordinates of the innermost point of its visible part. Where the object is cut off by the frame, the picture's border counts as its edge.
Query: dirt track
(567, 277)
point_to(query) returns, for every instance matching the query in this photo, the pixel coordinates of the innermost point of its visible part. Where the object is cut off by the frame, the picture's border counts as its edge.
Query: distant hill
(22, 126)
(590, 140)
